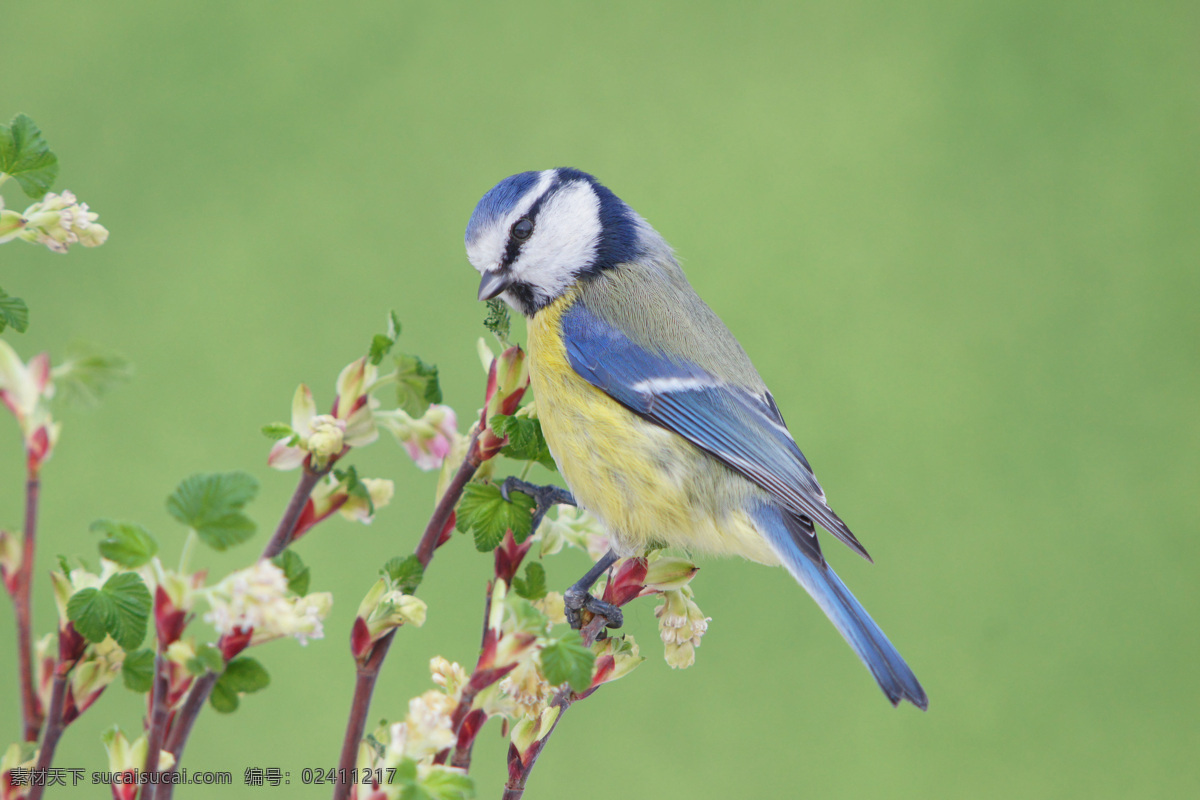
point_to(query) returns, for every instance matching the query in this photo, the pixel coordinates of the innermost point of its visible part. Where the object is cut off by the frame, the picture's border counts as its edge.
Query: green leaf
(277, 430)
(416, 385)
(485, 514)
(88, 373)
(381, 345)
(566, 660)
(211, 503)
(241, 676)
(14, 312)
(211, 657)
(119, 609)
(498, 320)
(245, 675)
(93, 612)
(533, 585)
(25, 155)
(406, 573)
(208, 659)
(223, 699)
(126, 543)
(442, 784)
(137, 670)
(294, 570)
(525, 439)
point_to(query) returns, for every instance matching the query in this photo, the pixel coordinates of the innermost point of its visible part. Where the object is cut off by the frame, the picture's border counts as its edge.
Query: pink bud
(233, 643)
(627, 582)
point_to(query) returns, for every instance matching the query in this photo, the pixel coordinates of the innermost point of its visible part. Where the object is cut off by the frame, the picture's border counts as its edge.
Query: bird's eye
(522, 229)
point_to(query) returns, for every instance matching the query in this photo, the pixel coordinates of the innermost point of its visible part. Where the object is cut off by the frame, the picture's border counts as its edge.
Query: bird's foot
(544, 496)
(577, 600)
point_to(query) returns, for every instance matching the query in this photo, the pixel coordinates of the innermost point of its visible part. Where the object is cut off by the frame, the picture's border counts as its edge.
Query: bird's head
(535, 234)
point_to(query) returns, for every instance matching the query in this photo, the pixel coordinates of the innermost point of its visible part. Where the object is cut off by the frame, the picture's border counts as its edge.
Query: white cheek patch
(564, 240)
(487, 250)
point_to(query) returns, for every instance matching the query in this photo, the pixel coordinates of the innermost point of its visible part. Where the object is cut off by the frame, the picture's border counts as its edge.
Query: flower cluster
(428, 439)
(412, 747)
(255, 603)
(356, 499)
(319, 439)
(680, 624)
(57, 221)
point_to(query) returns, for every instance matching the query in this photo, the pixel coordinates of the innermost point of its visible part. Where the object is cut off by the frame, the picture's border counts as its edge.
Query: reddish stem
(364, 687)
(31, 708)
(54, 726)
(158, 719)
(295, 507)
(445, 506)
(368, 670)
(514, 788)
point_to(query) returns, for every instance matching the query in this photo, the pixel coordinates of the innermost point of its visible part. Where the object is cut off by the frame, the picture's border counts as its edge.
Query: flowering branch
(54, 725)
(185, 719)
(436, 527)
(369, 666)
(158, 716)
(31, 710)
(520, 766)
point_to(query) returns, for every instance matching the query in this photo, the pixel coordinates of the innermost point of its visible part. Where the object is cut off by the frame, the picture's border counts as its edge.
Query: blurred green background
(960, 241)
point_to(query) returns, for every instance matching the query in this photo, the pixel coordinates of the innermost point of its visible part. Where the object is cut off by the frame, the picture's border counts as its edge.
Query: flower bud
(11, 553)
(129, 758)
(508, 379)
(95, 671)
(380, 492)
(616, 657)
(327, 438)
(11, 224)
(664, 573)
(384, 608)
(26, 389)
(353, 403)
(531, 730)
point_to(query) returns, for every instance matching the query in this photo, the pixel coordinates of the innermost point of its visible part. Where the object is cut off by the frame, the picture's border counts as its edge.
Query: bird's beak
(493, 283)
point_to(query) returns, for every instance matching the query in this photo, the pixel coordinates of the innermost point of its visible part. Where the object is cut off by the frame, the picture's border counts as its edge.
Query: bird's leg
(579, 597)
(544, 497)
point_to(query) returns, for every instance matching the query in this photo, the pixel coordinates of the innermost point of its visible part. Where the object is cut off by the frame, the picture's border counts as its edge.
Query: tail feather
(844, 611)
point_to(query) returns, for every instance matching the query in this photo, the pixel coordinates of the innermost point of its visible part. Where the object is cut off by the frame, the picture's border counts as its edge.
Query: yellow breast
(649, 486)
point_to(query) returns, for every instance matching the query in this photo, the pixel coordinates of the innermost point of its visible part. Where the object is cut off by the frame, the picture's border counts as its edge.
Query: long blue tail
(845, 612)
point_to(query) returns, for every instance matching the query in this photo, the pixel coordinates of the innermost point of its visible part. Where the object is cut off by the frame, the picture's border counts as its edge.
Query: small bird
(658, 422)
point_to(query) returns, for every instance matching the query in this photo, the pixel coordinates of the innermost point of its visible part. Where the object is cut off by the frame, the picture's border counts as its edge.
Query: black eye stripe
(513, 249)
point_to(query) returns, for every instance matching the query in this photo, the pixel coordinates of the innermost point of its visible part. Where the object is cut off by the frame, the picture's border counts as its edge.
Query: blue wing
(739, 427)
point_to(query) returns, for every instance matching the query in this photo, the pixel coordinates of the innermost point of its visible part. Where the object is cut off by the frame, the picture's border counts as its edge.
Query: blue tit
(659, 423)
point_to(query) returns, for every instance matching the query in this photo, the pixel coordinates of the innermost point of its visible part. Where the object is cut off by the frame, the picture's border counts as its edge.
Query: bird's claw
(544, 496)
(576, 601)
